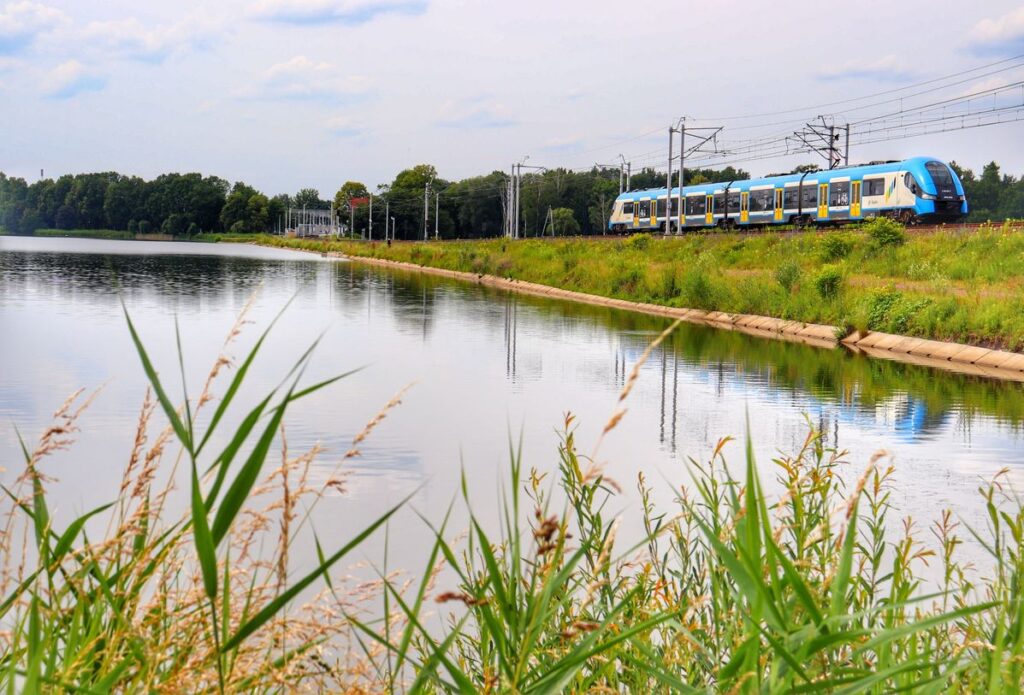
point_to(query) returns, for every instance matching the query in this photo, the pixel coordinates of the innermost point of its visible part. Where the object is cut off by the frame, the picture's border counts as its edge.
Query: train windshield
(940, 174)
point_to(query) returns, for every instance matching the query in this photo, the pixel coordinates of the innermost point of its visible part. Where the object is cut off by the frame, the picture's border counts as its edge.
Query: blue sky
(285, 94)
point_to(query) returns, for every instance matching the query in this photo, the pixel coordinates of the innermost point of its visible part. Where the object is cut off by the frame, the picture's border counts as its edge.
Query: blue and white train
(921, 189)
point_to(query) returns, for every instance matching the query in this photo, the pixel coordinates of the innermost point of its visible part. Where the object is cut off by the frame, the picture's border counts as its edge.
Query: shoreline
(960, 358)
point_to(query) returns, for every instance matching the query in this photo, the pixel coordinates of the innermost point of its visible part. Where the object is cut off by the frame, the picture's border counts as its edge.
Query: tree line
(554, 201)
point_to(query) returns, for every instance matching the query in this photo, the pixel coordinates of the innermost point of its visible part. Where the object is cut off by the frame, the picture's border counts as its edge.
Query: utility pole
(437, 197)
(387, 216)
(371, 217)
(821, 139)
(393, 229)
(682, 163)
(426, 195)
(702, 140)
(668, 185)
(351, 219)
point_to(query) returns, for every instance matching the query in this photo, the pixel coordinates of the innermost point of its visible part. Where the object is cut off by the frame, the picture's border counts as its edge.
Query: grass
(86, 233)
(951, 284)
(816, 589)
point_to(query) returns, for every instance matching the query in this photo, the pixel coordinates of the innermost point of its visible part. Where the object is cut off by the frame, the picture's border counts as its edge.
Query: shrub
(889, 310)
(144, 227)
(885, 232)
(133, 225)
(787, 275)
(639, 242)
(829, 281)
(835, 246)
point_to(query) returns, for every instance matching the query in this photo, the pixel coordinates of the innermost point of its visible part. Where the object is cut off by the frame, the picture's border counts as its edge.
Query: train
(920, 189)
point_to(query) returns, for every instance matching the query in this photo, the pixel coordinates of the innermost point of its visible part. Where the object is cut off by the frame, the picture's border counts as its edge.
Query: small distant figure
(389, 243)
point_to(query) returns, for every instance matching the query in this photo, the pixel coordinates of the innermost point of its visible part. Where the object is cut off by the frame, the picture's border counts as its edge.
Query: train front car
(938, 193)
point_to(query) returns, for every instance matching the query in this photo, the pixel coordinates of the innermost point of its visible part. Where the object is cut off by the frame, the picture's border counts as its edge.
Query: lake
(486, 368)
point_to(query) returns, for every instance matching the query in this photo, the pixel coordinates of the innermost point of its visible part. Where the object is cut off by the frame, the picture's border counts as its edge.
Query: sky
(287, 94)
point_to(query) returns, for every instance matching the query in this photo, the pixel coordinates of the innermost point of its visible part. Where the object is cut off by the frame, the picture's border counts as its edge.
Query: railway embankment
(951, 297)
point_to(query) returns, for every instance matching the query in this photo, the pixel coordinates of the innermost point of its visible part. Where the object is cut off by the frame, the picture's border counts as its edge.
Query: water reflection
(485, 364)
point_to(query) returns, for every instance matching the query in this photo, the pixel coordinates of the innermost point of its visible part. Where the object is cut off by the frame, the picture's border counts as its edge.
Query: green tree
(564, 222)
(309, 198)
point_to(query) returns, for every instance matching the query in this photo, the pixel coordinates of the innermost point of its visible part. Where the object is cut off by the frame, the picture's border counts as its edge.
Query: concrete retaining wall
(967, 359)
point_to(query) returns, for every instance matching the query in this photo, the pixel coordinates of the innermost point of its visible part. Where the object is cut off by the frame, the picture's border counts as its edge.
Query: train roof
(914, 164)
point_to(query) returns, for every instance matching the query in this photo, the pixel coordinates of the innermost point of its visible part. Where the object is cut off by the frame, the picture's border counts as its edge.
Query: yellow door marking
(778, 204)
(744, 206)
(855, 199)
(709, 209)
(823, 200)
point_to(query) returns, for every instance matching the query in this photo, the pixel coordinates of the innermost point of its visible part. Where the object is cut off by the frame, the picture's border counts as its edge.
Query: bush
(788, 274)
(133, 225)
(889, 310)
(144, 226)
(639, 242)
(829, 281)
(885, 232)
(835, 246)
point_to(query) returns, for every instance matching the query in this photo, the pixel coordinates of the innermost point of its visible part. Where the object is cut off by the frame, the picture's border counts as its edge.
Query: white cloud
(474, 113)
(332, 11)
(344, 127)
(1004, 34)
(886, 69)
(303, 79)
(131, 39)
(72, 78)
(22, 22)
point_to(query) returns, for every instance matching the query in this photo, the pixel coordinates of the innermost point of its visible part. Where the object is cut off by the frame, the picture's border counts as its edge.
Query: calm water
(486, 366)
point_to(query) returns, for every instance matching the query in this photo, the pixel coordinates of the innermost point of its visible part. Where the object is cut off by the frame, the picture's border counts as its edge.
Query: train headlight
(926, 196)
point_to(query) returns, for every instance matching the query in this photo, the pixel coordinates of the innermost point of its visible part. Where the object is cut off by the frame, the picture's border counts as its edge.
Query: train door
(709, 209)
(654, 213)
(744, 207)
(855, 199)
(823, 201)
(778, 204)
(636, 215)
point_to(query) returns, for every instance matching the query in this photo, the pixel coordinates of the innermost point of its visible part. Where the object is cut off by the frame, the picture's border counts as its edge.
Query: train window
(911, 183)
(792, 199)
(760, 201)
(719, 202)
(644, 208)
(675, 206)
(734, 202)
(874, 187)
(940, 173)
(696, 205)
(627, 208)
(661, 207)
(810, 195)
(839, 194)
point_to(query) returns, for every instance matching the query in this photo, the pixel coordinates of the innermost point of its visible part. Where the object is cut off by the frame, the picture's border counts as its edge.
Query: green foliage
(788, 274)
(835, 246)
(885, 233)
(639, 242)
(829, 281)
(563, 222)
(889, 310)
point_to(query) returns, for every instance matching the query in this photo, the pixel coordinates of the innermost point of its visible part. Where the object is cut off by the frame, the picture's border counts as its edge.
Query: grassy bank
(85, 233)
(957, 285)
(815, 590)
